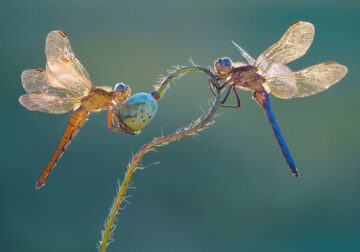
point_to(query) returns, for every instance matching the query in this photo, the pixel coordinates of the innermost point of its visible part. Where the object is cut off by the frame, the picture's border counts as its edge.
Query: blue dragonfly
(268, 74)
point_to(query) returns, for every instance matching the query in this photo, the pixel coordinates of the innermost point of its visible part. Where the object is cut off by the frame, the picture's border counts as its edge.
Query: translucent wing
(59, 88)
(292, 45)
(63, 69)
(281, 81)
(244, 54)
(238, 64)
(36, 80)
(47, 103)
(305, 82)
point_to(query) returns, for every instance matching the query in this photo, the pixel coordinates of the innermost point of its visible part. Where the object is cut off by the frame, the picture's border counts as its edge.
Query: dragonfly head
(222, 66)
(122, 91)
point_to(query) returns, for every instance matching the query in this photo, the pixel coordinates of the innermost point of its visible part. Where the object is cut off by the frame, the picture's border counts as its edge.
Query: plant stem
(180, 71)
(157, 141)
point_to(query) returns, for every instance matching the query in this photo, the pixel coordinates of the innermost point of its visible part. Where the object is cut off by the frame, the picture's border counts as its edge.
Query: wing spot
(329, 62)
(37, 92)
(295, 24)
(64, 60)
(63, 34)
(39, 69)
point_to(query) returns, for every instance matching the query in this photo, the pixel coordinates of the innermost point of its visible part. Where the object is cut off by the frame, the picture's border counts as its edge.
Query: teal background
(229, 189)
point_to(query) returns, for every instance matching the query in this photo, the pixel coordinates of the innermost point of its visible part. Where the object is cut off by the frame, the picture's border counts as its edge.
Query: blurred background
(228, 189)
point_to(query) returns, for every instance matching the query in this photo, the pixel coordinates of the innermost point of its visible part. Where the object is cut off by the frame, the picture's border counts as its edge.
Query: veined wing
(238, 64)
(47, 102)
(63, 69)
(305, 82)
(43, 96)
(292, 45)
(37, 80)
(59, 88)
(281, 81)
(244, 54)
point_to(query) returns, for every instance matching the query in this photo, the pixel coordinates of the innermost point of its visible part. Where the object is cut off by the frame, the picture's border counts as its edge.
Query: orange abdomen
(77, 120)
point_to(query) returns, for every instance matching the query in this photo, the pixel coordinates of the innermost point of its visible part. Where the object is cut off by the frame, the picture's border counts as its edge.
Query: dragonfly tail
(262, 98)
(77, 120)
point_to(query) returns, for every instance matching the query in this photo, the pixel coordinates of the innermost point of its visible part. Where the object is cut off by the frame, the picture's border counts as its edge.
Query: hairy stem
(158, 141)
(160, 89)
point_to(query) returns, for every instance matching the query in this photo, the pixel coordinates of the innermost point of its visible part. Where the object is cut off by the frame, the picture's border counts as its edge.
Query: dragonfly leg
(232, 88)
(238, 103)
(224, 84)
(212, 88)
(120, 118)
(119, 129)
(212, 85)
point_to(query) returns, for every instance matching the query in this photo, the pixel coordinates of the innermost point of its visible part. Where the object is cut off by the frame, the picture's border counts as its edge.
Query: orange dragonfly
(65, 85)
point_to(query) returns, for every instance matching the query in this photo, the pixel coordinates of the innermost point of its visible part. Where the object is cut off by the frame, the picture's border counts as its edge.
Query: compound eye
(120, 87)
(226, 63)
(223, 65)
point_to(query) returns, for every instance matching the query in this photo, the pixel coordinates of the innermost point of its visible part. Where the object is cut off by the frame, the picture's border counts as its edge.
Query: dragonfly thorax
(247, 77)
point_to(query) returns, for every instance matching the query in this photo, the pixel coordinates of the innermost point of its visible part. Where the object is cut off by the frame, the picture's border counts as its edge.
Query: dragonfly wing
(306, 82)
(282, 82)
(48, 103)
(292, 45)
(238, 64)
(37, 80)
(60, 87)
(63, 69)
(244, 54)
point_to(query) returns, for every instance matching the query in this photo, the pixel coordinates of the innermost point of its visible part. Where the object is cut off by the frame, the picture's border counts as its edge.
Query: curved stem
(157, 141)
(180, 71)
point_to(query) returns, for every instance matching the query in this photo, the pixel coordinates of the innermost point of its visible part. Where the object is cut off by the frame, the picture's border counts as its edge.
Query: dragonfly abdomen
(77, 120)
(262, 98)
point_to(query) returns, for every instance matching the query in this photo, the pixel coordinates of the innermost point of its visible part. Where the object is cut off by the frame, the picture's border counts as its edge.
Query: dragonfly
(65, 85)
(269, 74)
